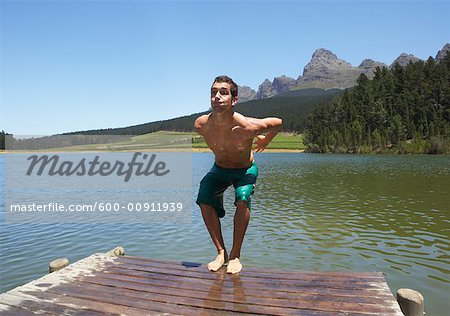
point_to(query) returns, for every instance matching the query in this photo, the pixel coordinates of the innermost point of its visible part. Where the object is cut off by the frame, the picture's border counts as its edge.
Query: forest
(400, 110)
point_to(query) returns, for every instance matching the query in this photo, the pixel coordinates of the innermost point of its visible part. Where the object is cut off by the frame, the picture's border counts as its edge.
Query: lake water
(310, 212)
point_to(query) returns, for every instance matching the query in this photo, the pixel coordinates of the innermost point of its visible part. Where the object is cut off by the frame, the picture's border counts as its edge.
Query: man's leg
(212, 223)
(241, 220)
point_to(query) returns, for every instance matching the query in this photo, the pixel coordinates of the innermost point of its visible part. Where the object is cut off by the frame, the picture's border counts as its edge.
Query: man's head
(233, 85)
(224, 93)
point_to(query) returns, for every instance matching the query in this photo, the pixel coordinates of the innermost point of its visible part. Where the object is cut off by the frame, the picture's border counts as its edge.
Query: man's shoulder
(201, 121)
(239, 118)
(245, 121)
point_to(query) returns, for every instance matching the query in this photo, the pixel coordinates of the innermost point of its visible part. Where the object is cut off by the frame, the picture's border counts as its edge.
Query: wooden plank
(249, 271)
(272, 291)
(47, 305)
(270, 278)
(145, 277)
(301, 302)
(11, 310)
(257, 282)
(254, 272)
(90, 306)
(215, 287)
(186, 305)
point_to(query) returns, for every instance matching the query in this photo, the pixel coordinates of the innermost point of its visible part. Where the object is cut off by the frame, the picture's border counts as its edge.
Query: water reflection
(215, 291)
(227, 289)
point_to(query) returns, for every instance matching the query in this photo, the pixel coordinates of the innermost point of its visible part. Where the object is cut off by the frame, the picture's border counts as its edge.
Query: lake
(310, 212)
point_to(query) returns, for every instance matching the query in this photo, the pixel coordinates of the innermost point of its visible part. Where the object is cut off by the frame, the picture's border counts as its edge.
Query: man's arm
(200, 123)
(271, 126)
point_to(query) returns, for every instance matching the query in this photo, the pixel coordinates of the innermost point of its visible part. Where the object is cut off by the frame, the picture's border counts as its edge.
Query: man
(230, 136)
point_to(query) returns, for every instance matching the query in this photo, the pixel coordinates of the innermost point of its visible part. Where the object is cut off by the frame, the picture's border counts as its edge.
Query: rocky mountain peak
(369, 63)
(404, 59)
(443, 52)
(368, 67)
(246, 93)
(265, 90)
(322, 53)
(283, 84)
(323, 70)
(326, 58)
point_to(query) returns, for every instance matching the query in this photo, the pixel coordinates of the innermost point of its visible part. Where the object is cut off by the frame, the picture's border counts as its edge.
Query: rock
(57, 264)
(443, 52)
(368, 67)
(326, 70)
(246, 94)
(404, 60)
(265, 90)
(283, 84)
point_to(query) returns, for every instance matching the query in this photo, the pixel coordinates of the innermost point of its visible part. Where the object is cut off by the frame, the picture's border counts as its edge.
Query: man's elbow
(198, 130)
(277, 123)
(198, 124)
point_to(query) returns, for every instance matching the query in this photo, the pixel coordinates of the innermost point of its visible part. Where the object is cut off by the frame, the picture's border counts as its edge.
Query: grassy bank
(283, 141)
(434, 145)
(162, 140)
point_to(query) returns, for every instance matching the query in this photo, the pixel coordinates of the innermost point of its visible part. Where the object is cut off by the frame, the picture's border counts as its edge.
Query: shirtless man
(230, 136)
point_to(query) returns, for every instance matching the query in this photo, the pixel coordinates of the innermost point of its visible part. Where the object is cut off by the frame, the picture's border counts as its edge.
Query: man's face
(221, 99)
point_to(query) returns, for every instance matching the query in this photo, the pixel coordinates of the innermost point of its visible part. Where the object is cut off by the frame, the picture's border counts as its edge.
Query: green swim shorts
(218, 179)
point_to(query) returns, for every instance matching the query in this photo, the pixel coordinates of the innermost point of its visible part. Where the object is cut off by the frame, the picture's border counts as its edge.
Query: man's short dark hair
(233, 85)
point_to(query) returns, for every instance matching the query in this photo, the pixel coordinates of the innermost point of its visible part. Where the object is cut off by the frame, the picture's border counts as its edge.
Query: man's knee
(206, 206)
(242, 206)
(207, 209)
(210, 210)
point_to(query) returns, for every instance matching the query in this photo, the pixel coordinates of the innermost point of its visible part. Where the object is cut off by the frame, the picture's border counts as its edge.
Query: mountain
(265, 90)
(368, 67)
(404, 59)
(443, 52)
(246, 94)
(325, 71)
(283, 84)
(279, 85)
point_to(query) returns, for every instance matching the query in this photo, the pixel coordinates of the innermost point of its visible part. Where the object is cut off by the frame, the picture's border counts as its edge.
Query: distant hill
(326, 71)
(403, 109)
(293, 107)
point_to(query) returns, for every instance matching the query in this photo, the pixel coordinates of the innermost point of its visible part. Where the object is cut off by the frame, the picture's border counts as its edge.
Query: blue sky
(77, 65)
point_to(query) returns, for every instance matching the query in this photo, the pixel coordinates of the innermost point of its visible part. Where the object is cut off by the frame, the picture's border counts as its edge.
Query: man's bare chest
(227, 142)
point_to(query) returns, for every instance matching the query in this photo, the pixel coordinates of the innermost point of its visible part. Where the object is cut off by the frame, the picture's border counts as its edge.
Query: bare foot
(234, 266)
(221, 258)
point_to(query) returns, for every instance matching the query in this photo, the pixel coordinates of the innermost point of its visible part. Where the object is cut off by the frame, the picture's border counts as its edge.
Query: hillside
(401, 110)
(293, 107)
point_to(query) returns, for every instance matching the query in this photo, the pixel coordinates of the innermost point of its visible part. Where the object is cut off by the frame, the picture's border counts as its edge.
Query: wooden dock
(124, 285)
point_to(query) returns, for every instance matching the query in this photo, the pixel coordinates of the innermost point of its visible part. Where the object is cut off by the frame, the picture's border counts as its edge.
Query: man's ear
(234, 101)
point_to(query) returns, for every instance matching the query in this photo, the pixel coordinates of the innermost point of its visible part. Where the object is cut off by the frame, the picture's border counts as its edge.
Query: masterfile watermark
(98, 207)
(136, 179)
(141, 164)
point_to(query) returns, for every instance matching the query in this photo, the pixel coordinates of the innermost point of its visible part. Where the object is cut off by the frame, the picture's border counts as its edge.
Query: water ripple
(310, 212)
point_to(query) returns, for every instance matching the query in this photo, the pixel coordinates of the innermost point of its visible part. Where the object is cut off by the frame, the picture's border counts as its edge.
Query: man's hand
(260, 143)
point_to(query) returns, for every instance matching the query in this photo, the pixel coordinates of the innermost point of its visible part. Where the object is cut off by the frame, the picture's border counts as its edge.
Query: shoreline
(205, 150)
(194, 150)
